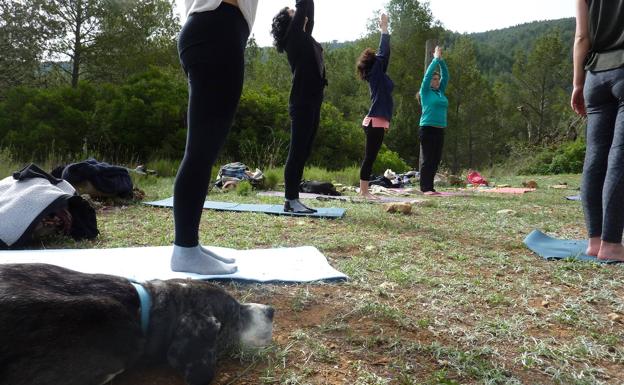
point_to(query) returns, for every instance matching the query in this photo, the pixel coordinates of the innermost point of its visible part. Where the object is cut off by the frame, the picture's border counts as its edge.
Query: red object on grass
(475, 179)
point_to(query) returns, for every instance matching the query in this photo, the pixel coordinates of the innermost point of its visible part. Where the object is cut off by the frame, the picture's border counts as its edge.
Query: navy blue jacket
(305, 56)
(380, 84)
(104, 177)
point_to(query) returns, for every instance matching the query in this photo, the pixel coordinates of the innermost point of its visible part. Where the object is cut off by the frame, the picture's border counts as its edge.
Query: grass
(447, 295)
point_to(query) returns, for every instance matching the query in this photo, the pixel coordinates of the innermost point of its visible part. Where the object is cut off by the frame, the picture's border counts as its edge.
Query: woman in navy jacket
(372, 67)
(292, 33)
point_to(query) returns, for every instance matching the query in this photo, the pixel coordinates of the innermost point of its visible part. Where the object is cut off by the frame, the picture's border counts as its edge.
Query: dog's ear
(193, 349)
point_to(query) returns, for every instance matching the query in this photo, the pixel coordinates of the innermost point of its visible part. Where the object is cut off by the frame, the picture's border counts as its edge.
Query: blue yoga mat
(323, 212)
(551, 248)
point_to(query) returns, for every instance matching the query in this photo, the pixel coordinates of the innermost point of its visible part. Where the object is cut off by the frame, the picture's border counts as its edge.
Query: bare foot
(431, 193)
(594, 246)
(611, 251)
(369, 196)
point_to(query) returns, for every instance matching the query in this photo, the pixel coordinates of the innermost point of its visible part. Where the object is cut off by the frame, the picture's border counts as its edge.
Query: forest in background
(102, 78)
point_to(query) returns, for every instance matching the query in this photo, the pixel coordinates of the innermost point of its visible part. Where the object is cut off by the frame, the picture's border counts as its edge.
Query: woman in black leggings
(599, 93)
(211, 46)
(372, 67)
(292, 33)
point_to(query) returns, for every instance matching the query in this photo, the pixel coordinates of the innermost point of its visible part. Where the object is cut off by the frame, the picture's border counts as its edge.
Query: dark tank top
(606, 33)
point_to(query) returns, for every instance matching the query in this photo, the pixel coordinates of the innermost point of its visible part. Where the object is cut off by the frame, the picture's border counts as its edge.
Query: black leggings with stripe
(211, 46)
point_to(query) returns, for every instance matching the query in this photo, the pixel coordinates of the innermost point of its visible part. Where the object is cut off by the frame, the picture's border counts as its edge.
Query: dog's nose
(270, 312)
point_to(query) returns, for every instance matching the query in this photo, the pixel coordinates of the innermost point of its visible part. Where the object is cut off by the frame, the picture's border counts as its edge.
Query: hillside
(495, 49)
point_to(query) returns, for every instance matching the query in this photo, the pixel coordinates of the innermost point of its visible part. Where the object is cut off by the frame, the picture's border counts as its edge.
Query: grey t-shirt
(606, 33)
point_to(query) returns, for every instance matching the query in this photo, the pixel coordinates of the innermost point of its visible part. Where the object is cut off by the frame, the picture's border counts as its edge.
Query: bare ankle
(611, 251)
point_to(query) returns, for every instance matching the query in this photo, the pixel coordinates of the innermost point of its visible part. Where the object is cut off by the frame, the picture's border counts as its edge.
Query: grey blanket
(22, 202)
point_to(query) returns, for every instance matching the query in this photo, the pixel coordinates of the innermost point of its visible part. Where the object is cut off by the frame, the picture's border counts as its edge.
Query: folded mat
(448, 194)
(506, 190)
(300, 264)
(322, 212)
(343, 198)
(551, 248)
(403, 191)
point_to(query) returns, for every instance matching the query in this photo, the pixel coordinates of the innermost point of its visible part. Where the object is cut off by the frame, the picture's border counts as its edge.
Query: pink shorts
(377, 122)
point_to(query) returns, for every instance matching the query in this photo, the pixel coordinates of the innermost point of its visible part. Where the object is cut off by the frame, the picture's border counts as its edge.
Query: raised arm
(582, 45)
(383, 53)
(444, 75)
(426, 82)
(301, 13)
(309, 26)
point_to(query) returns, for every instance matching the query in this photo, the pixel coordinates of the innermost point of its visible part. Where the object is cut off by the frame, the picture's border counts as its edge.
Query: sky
(344, 20)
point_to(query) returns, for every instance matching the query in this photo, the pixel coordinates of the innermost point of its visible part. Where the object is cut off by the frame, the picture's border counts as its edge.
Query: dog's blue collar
(146, 304)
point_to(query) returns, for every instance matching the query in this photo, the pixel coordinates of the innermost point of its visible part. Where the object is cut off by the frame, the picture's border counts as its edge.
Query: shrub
(164, 167)
(567, 159)
(7, 165)
(243, 188)
(388, 159)
(271, 179)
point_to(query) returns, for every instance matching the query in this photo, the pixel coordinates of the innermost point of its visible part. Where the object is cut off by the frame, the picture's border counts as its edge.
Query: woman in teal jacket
(433, 120)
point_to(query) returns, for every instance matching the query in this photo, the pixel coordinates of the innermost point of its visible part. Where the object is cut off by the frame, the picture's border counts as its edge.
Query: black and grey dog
(62, 327)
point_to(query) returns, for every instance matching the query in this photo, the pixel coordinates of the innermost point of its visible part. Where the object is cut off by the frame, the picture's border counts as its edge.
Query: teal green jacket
(434, 103)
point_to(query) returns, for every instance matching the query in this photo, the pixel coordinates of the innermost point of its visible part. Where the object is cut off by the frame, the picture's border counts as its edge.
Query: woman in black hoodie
(292, 33)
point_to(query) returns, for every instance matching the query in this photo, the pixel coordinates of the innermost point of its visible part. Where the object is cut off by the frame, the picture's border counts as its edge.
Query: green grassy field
(447, 295)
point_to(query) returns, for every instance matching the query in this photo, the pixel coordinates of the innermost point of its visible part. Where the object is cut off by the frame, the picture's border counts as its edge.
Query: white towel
(299, 264)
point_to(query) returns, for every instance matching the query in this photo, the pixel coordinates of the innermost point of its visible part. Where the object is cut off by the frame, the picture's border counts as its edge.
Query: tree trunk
(77, 45)
(470, 145)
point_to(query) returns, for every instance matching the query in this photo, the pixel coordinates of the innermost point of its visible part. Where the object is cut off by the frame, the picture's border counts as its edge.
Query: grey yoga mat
(343, 198)
(322, 212)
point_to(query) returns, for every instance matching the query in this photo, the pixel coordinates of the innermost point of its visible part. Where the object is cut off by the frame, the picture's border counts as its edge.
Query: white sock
(193, 260)
(217, 256)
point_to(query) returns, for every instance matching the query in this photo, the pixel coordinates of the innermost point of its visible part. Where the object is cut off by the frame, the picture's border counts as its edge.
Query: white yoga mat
(300, 264)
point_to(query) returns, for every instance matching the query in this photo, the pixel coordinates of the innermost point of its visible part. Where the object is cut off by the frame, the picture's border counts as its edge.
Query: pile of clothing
(233, 173)
(390, 179)
(34, 203)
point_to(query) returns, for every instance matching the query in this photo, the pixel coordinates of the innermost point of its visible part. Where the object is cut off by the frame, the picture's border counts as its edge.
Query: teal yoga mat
(323, 212)
(551, 248)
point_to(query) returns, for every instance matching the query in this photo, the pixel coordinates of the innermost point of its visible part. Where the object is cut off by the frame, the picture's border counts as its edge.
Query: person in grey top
(598, 93)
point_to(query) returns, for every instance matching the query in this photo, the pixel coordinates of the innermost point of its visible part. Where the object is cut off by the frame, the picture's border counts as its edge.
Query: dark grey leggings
(212, 47)
(602, 188)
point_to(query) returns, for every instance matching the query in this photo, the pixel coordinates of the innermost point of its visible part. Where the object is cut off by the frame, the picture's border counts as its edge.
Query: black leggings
(603, 172)
(304, 123)
(211, 47)
(374, 139)
(431, 143)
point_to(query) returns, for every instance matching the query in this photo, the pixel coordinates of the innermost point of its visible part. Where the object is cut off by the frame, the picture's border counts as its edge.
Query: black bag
(381, 181)
(315, 187)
